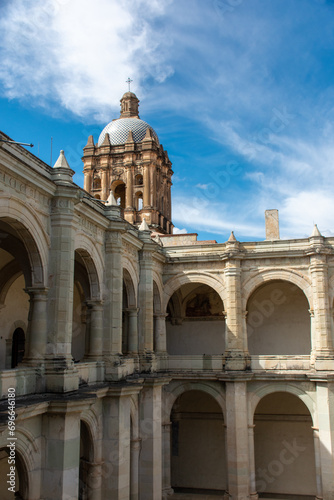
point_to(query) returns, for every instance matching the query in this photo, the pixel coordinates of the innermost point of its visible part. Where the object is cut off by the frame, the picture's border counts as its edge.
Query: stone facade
(147, 367)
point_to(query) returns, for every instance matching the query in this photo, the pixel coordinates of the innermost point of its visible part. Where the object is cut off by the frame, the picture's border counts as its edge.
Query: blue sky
(240, 93)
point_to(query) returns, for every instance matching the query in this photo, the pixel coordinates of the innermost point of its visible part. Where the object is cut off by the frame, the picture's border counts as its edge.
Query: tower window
(139, 201)
(139, 180)
(96, 183)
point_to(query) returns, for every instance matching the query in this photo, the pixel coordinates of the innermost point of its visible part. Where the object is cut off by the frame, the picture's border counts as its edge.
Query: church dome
(118, 131)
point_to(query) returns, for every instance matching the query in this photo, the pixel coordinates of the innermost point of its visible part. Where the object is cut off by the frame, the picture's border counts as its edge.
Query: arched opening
(129, 314)
(195, 321)
(198, 458)
(159, 322)
(284, 448)
(97, 197)
(21, 487)
(139, 200)
(139, 180)
(278, 320)
(86, 459)
(96, 182)
(81, 293)
(20, 269)
(125, 321)
(18, 347)
(118, 189)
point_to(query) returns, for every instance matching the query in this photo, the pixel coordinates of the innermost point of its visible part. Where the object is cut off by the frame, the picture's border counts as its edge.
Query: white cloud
(176, 230)
(213, 218)
(304, 209)
(52, 53)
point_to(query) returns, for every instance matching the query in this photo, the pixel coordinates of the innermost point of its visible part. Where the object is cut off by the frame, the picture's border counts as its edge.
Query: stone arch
(278, 319)
(27, 461)
(9, 274)
(198, 451)
(284, 444)
(86, 247)
(91, 420)
(131, 284)
(291, 276)
(262, 391)
(192, 277)
(24, 220)
(118, 187)
(175, 389)
(156, 298)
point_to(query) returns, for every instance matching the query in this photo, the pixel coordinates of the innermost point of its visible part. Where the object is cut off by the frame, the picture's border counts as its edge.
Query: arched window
(119, 194)
(96, 183)
(18, 347)
(139, 201)
(139, 180)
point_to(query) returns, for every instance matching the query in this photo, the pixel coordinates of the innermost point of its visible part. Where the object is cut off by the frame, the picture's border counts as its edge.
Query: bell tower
(130, 162)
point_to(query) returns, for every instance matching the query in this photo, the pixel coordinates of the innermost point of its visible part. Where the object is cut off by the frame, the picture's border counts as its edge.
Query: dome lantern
(129, 105)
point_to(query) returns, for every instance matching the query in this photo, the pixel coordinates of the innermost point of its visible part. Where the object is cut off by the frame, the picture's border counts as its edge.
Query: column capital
(95, 303)
(34, 291)
(160, 315)
(132, 311)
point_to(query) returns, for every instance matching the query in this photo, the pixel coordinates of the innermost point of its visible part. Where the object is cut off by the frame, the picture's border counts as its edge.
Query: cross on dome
(128, 81)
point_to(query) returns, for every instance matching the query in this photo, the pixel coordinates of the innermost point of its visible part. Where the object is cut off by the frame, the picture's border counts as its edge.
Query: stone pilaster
(129, 188)
(113, 294)
(236, 355)
(37, 326)
(151, 435)
(160, 333)
(135, 446)
(237, 440)
(60, 372)
(62, 452)
(325, 408)
(146, 294)
(252, 475)
(116, 442)
(166, 460)
(323, 335)
(146, 194)
(317, 462)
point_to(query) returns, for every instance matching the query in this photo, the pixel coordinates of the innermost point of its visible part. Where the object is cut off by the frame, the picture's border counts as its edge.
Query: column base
(324, 361)
(235, 360)
(61, 376)
(168, 492)
(254, 496)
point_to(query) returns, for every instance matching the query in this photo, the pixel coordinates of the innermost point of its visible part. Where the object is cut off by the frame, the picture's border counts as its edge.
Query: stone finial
(315, 232)
(111, 202)
(272, 224)
(61, 162)
(90, 142)
(143, 226)
(106, 140)
(130, 137)
(232, 238)
(148, 134)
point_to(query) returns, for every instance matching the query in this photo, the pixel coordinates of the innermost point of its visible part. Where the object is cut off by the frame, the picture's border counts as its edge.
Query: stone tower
(129, 161)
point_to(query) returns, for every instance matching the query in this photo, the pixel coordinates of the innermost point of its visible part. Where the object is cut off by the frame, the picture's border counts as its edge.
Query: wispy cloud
(78, 53)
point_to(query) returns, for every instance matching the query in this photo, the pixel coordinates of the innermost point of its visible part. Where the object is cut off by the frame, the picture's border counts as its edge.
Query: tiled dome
(119, 129)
